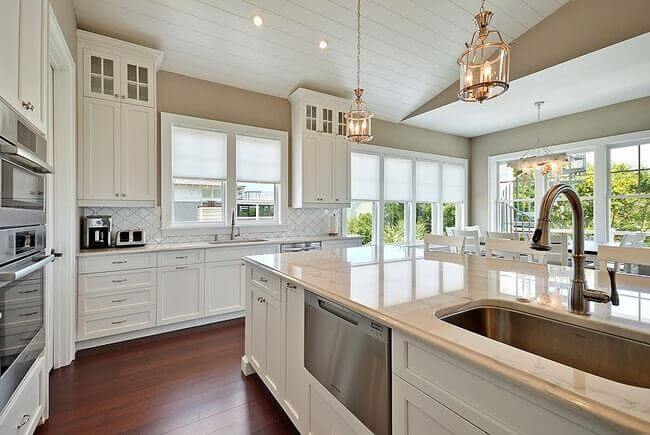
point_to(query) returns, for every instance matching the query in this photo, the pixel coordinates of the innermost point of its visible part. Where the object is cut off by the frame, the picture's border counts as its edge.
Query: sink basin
(227, 241)
(609, 356)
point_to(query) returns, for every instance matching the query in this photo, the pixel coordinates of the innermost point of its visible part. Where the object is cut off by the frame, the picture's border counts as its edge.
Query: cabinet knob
(27, 105)
(124, 194)
(24, 421)
(124, 97)
(116, 96)
(291, 285)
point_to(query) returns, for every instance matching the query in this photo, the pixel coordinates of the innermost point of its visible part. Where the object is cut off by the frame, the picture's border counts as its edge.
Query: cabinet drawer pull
(28, 314)
(117, 323)
(262, 279)
(119, 262)
(24, 292)
(117, 281)
(117, 194)
(291, 285)
(182, 257)
(116, 96)
(24, 421)
(181, 267)
(118, 300)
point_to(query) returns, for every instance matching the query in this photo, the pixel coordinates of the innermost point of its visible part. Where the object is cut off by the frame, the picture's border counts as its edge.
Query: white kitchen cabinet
(101, 139)
(296, 391)
(320, 152)
(415, 413)
(23, 50)
(256, 323)
(223, 287)
(274, 374)
(24, 411)
(180, 294)
(118, 149)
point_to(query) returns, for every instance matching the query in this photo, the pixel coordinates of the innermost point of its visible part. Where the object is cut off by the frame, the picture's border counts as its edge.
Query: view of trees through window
(360, 221)
(394, 222)
(630, 188)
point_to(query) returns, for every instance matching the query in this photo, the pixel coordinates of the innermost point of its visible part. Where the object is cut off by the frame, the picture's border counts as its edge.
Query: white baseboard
(86, 344)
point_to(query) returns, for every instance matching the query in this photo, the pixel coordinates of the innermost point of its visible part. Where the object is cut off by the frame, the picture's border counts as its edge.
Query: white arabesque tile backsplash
(300, 222)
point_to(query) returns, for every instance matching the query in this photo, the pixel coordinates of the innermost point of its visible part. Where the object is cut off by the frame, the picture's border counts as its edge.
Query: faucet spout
(579, 294)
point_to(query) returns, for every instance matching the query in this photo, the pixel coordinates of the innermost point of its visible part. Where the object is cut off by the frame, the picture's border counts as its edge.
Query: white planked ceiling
(409, 47)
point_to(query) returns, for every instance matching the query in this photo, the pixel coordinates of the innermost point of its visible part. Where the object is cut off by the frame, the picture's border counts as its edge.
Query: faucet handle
(613, 297)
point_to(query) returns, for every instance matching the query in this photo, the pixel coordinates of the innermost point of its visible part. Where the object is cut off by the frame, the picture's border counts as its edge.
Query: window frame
(410, 222)
(602, 181)
(170, 228)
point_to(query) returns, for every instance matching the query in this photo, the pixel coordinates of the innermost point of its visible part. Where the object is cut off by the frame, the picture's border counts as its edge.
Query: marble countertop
(404, 287)
(207, 245)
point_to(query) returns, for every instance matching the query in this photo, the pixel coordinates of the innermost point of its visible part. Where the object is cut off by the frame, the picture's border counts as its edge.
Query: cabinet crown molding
(304, 93)
(106, 42)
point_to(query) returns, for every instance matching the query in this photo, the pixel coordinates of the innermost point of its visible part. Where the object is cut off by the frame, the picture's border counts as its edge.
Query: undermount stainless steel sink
(609, 356)
(227, 241)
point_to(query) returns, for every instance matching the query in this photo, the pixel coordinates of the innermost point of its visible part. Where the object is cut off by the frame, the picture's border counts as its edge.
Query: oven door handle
(20, 274)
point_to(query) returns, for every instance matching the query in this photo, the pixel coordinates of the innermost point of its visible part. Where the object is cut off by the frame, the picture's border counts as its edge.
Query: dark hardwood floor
(184, 382)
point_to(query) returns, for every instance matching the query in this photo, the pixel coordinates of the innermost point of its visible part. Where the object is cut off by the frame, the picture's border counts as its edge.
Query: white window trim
(167, 120)
(600, 147)
(383, 152)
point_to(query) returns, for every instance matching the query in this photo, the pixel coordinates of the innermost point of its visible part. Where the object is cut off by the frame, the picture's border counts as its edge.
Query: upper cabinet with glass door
(101, 75)
(321, 118)
(136, 82)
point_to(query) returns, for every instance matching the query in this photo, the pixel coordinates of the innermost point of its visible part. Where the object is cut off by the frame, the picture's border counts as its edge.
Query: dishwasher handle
(339, 311)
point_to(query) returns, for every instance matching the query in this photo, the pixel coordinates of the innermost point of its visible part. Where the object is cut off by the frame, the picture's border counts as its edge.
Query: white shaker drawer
(268, 281)
(223, 253)
(109, 263)
(111, 281)
(174, 258)
(23, 412)
(103, 302)
(19, 292)
(115, 322)
(21, 315)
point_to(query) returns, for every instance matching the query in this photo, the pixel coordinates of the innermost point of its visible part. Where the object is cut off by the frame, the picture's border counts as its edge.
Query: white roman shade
(427, 181)
(198, 153)
(259, 160)
(397, 179)
(453, 183)
(365, 177)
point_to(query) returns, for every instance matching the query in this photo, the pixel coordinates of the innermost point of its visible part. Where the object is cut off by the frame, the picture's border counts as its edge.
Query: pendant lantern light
(485, 65)
(358, 117)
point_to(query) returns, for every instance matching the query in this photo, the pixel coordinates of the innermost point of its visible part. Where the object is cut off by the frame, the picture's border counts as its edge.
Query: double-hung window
(454, 186)
(428, 180)
(212, 170)
(364, 185)
(398, 181)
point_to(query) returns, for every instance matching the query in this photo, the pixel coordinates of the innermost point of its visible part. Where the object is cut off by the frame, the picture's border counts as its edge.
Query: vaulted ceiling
(409, 49)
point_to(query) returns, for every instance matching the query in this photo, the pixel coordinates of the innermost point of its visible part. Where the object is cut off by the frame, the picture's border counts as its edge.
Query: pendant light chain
(358, 44)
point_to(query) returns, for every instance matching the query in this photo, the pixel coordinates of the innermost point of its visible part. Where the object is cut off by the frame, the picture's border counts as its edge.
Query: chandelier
(540, 158)
(485, 65)
(359, 118)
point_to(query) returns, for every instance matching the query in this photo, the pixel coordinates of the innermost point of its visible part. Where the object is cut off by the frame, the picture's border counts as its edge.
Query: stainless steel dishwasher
(350, 355)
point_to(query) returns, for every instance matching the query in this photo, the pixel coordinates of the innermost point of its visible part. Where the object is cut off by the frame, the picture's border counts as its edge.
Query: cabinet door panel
(138, 153)
(274, 373)
(101, 75)
(310, 168)
(223, 288)
(415, 413)
(32, 59)
(326, 119)
(324, 169)
(296, 390)
(101, 137)
(9, 19)
(311, 118)
(137, 82)
(341, 171)
(258, 331)
(180, 293)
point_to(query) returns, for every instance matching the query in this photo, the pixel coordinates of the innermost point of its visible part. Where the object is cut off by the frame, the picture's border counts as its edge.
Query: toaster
(125, 238)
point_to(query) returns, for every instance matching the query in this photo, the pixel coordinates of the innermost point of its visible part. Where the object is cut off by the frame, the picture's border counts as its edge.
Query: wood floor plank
(183, 382)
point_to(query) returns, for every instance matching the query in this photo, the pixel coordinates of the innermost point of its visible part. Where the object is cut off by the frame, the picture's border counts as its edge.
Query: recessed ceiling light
(257, 20)
(322, 44)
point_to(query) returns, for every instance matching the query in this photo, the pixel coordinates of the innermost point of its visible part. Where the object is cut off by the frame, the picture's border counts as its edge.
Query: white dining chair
(472, 240)
(451, 231)
(559, 253)
(622, 256)
(437, 242)
(513, 250)
(474, 228)
(499, 235)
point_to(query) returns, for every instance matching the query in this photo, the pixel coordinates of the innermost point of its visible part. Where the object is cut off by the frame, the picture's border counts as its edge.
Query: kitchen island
(443, 377)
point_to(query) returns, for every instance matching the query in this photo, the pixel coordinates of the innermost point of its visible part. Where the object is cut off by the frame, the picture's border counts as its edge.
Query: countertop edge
(581, 405)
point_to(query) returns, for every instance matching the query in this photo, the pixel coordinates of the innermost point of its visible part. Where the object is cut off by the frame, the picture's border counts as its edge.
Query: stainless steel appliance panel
(349, 354)
(22, 195)
(301, 247)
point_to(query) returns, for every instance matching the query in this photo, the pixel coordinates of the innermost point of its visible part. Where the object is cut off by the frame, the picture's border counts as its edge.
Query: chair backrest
(640, 240)
(498, 235)
(513, 250)
(622, 255)
(559, 253)
(472, 240)
(628, 240)
(474, 228)
(451, 231)
(453, 244)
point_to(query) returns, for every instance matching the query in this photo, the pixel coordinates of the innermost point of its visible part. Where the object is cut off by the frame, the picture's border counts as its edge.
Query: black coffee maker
(96, 232)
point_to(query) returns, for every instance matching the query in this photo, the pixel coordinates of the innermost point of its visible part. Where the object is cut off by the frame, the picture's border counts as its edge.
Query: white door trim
(63, 201)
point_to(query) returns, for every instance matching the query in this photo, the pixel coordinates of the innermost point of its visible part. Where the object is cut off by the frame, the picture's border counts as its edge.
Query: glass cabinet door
(101, 75)
(311, 118)
(137, 83)
(327, 119)
(341, 125)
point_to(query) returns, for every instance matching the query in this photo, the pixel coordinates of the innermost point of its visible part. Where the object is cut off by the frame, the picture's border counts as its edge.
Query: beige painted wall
(606, 121)
(407, 137)
(65, 15)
